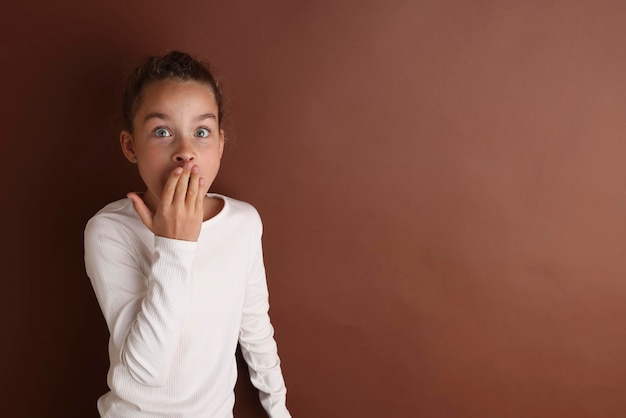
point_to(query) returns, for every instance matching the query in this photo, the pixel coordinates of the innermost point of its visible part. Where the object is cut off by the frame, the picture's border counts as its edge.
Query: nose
(184, 152)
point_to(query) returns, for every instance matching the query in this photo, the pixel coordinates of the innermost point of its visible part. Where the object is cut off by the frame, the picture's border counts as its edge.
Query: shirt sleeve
(256, 338)
(143, 311)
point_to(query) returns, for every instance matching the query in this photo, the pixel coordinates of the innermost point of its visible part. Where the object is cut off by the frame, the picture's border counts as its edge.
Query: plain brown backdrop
(441, 182)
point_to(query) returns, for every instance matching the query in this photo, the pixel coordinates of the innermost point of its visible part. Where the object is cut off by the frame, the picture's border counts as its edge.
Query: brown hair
(174, 65)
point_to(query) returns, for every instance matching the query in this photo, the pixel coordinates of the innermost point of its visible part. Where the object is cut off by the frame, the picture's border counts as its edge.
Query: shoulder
(238, 211)
(116, 216)
(237, 208)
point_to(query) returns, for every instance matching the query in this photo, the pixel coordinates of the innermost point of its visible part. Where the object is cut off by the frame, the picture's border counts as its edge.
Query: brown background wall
(442, 186)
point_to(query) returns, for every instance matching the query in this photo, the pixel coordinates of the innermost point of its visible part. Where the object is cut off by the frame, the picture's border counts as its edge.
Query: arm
(144, 314)
(256, 338)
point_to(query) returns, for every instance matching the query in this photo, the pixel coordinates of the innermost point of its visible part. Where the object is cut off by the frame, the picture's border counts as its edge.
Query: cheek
(210, 168)
(214, 159)
(153, 173)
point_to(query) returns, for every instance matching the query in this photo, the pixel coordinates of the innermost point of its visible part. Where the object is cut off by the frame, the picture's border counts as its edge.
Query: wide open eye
(202, 132)
(162, 132)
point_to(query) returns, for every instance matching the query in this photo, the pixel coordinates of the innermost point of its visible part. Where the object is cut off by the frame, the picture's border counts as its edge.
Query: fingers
(179, 184)
(180, 192)
(200, 198)
(145, 214)
(167, 196)
(194, 186)
(184, 186)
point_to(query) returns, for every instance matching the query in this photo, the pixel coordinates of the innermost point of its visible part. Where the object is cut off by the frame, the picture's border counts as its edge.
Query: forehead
(173, 96)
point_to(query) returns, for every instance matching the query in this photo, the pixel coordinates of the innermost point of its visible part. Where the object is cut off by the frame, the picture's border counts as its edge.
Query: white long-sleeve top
(176, 310)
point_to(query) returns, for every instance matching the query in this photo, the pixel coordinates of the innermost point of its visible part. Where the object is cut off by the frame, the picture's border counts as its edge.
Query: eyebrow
(156, 115)
(207, 116)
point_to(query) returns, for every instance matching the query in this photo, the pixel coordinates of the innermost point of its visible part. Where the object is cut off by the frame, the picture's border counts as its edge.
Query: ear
(128, 146)
(222, 139)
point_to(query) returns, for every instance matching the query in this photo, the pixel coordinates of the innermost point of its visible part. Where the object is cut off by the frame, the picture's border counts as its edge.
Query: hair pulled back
(174, 65)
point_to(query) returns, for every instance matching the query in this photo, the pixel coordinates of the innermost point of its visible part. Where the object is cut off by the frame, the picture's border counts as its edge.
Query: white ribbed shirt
(176, 310)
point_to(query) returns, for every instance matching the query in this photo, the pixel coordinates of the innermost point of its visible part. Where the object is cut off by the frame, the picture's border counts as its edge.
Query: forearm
(154, 335)
(257, 342)
(261, 354)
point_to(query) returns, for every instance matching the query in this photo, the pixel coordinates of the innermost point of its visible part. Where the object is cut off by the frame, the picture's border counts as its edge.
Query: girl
(178, 272)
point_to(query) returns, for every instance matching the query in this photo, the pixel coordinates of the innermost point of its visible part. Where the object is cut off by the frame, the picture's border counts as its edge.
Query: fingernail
(188, 165)
(195, 169)
(179, 170)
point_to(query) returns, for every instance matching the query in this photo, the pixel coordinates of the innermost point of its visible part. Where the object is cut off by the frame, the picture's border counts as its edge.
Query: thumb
(145, 214)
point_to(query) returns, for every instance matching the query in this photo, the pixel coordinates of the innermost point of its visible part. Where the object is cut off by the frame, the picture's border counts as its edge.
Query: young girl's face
(176, 122)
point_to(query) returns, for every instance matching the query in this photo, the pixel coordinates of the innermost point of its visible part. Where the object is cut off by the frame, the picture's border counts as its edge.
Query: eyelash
(157, 130)
(208, 132)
